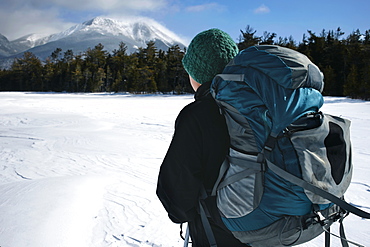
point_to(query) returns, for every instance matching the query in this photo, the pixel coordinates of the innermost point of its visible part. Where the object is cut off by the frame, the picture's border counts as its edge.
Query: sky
(189, 17)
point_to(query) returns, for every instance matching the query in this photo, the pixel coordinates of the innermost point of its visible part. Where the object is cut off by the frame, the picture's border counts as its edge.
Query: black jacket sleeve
(180, 176)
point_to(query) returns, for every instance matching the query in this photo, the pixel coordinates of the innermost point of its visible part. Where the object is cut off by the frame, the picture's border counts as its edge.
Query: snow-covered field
(81, 169)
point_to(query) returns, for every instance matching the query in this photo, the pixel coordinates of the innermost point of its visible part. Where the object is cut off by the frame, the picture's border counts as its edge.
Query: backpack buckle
(270, 143)
(262, 161)
(261, 158)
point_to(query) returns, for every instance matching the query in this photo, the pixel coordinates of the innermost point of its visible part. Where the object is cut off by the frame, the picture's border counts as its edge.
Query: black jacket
(199, 146)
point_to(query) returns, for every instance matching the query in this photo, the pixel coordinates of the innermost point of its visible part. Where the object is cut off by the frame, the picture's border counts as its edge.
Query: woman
(200, 142)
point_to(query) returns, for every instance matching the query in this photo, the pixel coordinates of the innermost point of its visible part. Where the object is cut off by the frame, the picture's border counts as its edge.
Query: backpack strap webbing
(205, 222)
(187, 235)
(339, 202)
(223, 169)
(231, 77)
(250, 163)
(207, 227)
(327, 237)
(318, 191)
(342, 236)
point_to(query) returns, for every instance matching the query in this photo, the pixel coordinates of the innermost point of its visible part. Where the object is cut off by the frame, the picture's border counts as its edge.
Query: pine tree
(28, 72)
(351, 88)
(177, 78)
(95, 63)
(161, 75)
(268, 38)
(6, 77)
(119, 68)
(248, 38)
(329, 79)
(77, 78)
(48, 74)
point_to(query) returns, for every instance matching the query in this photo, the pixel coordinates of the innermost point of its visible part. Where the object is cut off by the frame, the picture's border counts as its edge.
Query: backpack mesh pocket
(241, 190)
(324, 155)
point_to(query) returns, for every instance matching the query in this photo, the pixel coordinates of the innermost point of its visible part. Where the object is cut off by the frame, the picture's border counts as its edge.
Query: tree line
(146, 71)
(345, 62)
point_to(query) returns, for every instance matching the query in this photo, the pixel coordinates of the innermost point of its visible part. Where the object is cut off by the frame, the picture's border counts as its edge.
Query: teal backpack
(289, 164)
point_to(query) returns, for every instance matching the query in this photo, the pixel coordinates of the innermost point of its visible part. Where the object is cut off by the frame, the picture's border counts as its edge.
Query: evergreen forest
(344, 60)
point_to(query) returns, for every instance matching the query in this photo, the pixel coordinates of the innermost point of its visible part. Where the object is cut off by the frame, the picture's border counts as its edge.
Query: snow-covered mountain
(6, 48)
(27, 42)
(138, 31)
(109, 32)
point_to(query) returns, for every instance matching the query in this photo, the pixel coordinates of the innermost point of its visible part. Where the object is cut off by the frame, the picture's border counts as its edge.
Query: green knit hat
(208, 54)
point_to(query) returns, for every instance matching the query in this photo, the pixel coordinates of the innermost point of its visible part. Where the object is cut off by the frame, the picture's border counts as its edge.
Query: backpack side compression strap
(207, 227)
(203, 216)
(305, 185)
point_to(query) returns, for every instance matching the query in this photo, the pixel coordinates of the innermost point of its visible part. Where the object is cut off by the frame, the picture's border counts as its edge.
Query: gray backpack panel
(325, 156)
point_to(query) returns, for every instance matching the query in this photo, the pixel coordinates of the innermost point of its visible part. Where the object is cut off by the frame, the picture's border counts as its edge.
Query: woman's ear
(194, 84)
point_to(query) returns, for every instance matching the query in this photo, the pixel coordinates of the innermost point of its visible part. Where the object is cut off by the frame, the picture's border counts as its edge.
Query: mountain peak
(99, 21)
(140, 29)
(3, 38)
(135, 32)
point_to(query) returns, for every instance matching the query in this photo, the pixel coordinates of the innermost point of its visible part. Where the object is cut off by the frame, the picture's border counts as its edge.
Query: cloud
(27, 20)
(263, 9)
(111, 5)
(204, 7)
(52, 16)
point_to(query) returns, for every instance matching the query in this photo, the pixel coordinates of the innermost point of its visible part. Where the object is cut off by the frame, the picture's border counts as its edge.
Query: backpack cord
(299, 236)
(341, 236)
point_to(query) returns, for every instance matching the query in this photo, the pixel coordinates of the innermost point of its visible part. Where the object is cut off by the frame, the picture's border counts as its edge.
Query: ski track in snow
(81, 169)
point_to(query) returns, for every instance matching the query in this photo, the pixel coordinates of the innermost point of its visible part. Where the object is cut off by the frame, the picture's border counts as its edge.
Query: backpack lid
(276, 85)
(289, 68)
